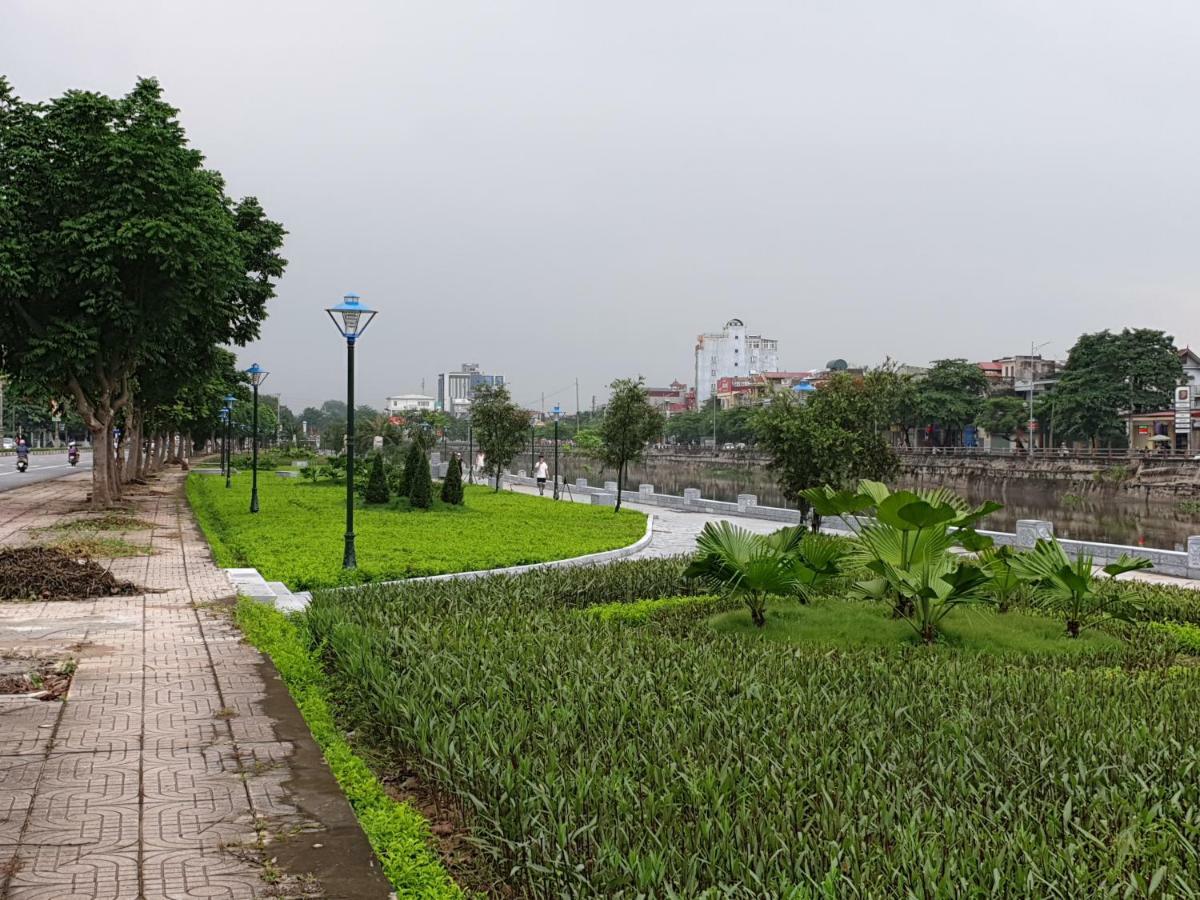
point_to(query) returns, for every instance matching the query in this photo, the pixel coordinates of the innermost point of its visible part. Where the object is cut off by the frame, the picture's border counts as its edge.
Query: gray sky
(563, 190)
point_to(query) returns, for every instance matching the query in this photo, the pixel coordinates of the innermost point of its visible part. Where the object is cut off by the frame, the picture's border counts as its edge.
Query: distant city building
(456, 390)
(410, 403)
(732, 353)
(670, 399)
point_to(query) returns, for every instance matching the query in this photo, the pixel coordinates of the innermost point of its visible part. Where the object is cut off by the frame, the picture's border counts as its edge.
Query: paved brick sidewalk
(174, 757)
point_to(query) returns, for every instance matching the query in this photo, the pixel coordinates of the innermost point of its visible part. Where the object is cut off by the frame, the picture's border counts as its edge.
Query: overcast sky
(561, 190)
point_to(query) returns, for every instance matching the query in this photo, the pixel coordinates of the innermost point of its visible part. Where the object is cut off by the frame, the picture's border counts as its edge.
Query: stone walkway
(178, 764)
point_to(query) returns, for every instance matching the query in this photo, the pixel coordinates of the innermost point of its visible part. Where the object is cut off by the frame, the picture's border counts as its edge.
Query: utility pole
(714, 402)
(1033, 349)
(542, 409)
(576, 406)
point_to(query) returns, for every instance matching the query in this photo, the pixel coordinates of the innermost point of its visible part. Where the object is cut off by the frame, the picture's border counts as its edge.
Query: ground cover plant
(297, 536)
(398, 834)
(673, 759)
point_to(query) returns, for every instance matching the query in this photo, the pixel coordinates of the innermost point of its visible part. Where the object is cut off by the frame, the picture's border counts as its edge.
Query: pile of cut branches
(47, 573)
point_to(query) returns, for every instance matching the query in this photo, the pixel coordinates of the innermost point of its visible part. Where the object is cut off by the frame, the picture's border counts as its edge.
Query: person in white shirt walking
(540, 472)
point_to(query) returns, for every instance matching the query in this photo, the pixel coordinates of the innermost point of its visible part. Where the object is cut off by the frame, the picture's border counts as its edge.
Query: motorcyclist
(72, 453)
(22, 450)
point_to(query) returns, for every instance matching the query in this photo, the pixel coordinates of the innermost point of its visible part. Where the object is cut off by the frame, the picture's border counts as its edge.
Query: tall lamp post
(470, 452)
(224, 416)
(532, 424)
(351, 319)
(557, 412)
(257, 376)
(1033, 349)
(229, 398)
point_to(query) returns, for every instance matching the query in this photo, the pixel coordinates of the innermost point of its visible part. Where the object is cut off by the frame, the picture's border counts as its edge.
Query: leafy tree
(500, 427)
(823, 440)
(452, 485)
(1072, 589)
(950, 396)
(1005, 416)
(420, 482)
(120, 255)
(377, 486)
(1136, 370)
(630, 422)
(892, 399)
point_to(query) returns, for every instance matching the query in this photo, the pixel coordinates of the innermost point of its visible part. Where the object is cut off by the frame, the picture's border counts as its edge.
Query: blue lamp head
(556, 412)
(351, 317)
(229, 398)
(257, 374)
(224, 412)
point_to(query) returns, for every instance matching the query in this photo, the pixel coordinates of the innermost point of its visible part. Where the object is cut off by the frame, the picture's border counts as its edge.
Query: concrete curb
(249, 582)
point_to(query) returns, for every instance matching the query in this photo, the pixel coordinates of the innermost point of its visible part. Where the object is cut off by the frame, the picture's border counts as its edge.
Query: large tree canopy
(1109, 374)
(950, 396)
(122, 261)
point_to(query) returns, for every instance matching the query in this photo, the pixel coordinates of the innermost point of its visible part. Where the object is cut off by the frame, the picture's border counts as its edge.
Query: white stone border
(249, 582)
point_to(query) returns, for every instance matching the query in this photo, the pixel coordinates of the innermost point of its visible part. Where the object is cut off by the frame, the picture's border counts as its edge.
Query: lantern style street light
(351, 319)
(229, 398)
(557, 413)
(224, 416)
(257, 376)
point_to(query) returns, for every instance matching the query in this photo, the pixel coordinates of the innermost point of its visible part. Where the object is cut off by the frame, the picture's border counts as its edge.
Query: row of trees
(125, 272)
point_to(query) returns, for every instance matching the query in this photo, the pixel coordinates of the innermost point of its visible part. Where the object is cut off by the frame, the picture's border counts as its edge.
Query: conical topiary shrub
(452, 486)
(377, 486)
(420, 484)
(411, 464)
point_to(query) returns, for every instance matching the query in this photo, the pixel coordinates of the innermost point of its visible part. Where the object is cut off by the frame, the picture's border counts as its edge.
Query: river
(1091, 517)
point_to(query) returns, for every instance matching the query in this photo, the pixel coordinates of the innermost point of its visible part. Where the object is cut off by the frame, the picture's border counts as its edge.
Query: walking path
(675, 533)
(178, 765)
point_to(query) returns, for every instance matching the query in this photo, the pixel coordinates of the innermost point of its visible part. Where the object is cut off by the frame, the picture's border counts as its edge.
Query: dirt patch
(450, 830)
(46, 677)
(48, 573)
(111, 521)
(95, 547)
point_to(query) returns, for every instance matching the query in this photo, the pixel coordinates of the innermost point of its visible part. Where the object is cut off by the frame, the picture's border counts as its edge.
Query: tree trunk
(620, 481)
(101, 463)
(1072, 628)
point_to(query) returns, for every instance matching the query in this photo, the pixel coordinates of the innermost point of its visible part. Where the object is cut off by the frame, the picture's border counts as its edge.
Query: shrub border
(398, 834)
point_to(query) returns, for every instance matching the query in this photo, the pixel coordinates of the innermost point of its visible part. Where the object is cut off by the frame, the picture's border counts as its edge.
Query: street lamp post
(257, 376)
(470, 454)
(229, 398)
(224, 416)
(351, 319)
(1033, 349)
(557, 415)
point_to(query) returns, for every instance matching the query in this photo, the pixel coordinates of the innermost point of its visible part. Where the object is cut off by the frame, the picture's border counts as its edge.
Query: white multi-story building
(732, 353)
(401, 403)
(456, 390)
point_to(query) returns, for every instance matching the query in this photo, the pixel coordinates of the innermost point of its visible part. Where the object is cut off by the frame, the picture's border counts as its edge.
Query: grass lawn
(847, 624)
(297, 536)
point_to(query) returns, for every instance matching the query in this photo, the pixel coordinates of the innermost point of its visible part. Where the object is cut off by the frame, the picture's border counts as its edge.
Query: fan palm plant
(1072, 589)
(907, 545)
(753, 567)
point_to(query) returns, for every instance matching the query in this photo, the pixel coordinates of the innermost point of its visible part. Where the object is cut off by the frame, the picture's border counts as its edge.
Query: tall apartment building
(456, 390)
(731, 353)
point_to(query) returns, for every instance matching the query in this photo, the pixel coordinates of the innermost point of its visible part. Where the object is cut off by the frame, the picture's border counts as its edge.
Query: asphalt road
(42, 467)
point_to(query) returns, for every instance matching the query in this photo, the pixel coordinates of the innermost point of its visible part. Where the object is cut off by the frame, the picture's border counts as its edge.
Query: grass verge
(399, 835)
(297, 538)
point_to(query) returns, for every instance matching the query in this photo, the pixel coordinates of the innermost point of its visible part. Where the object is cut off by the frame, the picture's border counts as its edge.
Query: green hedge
(672, 760)
(398, 834)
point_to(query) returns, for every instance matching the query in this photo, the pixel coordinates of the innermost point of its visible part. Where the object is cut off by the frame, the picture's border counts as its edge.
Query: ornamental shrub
(412, 462)
(377, 486)
(420, 484)
(452, 486)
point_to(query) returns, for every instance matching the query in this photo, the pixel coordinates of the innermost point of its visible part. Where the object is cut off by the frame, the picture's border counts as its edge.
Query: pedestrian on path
(540, 472)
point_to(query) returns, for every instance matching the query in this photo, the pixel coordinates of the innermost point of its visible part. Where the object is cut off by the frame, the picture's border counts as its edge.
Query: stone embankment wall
(1142, 477)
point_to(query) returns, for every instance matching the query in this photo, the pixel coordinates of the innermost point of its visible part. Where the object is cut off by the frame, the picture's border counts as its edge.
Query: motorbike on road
(22, 464)
(73, 456)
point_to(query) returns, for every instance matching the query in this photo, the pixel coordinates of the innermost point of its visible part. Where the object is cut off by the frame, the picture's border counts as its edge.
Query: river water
(1093, 516)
